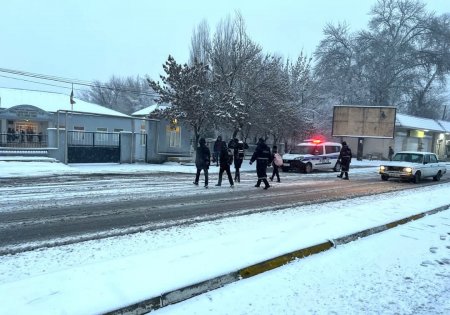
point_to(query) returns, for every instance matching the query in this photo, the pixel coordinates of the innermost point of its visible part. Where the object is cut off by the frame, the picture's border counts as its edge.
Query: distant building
(36, 120)
(411, 133)
(36, 111)
(26, 117)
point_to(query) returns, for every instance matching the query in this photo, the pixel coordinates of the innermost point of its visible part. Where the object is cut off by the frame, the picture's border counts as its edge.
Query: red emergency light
(314, 140)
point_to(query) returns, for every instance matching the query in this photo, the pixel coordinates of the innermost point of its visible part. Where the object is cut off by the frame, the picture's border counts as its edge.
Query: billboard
(364, 121)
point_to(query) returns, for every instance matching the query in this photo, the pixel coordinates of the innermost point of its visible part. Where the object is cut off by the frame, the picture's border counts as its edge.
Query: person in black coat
(390, 153)
(202, 160)
(345, 158)
(239, 148)
(224, 163)
(263, 158)
(216, 150)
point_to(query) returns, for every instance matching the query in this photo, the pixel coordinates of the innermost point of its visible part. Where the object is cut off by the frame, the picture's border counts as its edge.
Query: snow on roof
(418, 123)
(445, 125)
(150, 109)
(51, 102)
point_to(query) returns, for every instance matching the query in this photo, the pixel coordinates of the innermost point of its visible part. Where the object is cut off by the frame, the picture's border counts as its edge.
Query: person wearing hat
(202, 161)
(345, 158)
(263, 158)
(239, 148)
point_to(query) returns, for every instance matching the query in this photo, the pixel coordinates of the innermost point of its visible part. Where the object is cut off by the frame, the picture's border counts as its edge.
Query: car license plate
(286, 164)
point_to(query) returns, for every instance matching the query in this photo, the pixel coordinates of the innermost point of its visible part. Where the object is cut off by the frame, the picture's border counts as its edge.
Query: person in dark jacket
(345, 158)
(390, 153)
(239, 148)
(224, 162)
(275, 171)
(263, 158)
(202, 160)
(216, 150)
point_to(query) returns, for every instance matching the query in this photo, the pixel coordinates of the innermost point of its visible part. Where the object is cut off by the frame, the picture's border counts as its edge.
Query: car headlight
(382, 168)
(298, 158)
(407, 170)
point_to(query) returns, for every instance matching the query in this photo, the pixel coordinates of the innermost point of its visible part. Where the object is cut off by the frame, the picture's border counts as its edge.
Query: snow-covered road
(52, 211)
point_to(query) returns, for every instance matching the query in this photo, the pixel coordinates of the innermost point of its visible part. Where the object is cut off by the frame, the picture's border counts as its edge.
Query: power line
(54, 85)
(45, 77)
(69, 81)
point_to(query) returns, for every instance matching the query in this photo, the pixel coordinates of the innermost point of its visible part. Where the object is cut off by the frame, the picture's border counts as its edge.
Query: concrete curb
(190, 291)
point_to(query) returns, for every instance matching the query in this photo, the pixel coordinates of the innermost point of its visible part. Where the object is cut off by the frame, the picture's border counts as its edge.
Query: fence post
(126, 139)
(53, 140)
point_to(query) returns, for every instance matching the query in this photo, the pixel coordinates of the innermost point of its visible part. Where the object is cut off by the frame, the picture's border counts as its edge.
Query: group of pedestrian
(222, 156)
(225, 155)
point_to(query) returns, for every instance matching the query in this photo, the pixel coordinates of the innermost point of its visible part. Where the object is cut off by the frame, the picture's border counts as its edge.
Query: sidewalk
(34, 167)
(199, 288)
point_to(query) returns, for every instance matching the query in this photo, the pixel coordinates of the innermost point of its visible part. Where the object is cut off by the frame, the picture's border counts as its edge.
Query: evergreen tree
(187, 91)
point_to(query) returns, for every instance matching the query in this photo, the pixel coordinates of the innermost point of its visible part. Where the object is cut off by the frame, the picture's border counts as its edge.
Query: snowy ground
(405, 270)
(28, 167)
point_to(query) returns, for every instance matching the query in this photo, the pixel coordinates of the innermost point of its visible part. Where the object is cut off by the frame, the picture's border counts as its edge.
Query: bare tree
(311, 113)
(389, 49)
(338, 67)
(124, 95)
(234, 55)
(201, 44)
(426, 95)
(401, 60)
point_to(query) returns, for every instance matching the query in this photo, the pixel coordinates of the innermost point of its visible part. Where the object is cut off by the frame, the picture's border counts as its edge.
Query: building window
(143, 135)
(173, 136)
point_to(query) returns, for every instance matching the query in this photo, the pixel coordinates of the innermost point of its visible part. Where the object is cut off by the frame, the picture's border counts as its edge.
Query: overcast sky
(93, 40)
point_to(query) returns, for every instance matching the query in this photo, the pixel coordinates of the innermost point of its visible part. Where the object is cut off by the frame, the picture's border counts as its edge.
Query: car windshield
(408, 157)
(304, 149)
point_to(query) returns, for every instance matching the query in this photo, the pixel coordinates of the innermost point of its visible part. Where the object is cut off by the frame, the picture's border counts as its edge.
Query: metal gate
(93, 147)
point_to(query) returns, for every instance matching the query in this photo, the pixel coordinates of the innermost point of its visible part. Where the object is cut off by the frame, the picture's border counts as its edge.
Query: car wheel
(416, 179)
(337, 167)
(308, 168)
(384, 177)
(285, 169)
(437, 177)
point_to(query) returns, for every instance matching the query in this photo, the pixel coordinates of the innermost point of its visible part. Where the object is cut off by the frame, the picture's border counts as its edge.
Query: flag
(72, 101)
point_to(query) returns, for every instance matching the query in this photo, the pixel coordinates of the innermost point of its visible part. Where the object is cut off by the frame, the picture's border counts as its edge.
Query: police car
(312, 154)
